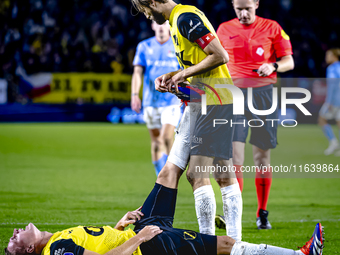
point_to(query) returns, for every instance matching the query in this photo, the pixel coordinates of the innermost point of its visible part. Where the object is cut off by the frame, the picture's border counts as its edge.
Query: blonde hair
(335, 52)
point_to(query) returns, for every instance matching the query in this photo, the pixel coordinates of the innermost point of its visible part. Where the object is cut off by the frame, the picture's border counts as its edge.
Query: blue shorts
(159, 210)
(264, 137)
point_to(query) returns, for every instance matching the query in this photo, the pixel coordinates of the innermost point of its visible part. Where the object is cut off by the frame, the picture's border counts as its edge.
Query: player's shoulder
(335, 67)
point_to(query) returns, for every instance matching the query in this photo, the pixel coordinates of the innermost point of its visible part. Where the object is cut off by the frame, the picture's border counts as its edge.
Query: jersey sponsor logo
(162, 63)
(60, 251)
(193, 147)
(193, 27)
(260, 51)
(171, 54)
(190, 235)
(232, 37)
(196, 139)
(94, 231)
(284, 35)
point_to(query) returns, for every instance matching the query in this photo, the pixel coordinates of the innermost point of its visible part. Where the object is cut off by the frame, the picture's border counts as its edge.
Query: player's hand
(266, 70)
(149, 232)
(129, 218)
(136, 103)
(172, 84)
(162, 82)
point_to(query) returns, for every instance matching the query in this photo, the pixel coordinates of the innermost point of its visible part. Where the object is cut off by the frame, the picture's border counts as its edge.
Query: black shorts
(176, 241)
(214, 140)
(264, 137)
(159, 210)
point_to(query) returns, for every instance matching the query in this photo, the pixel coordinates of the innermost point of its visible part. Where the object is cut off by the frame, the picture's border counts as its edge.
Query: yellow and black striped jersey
(188, 25)
(73, 241)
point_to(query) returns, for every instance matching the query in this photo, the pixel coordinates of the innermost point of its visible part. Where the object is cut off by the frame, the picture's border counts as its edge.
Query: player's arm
(192, 28)
(216, 56)
(286, 63)
(133, 243)
(129, 218)
(136, 84)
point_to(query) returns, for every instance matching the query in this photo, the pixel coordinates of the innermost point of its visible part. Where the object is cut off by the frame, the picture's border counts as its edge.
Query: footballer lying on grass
(153, 234)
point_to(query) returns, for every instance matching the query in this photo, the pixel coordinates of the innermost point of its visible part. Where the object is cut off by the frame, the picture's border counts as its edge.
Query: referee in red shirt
(258, 48)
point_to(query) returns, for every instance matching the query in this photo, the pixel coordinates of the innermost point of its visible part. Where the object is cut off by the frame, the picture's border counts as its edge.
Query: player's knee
(322, 121)
(169, 172)
(156, 145)
(167, 141)
(190, 178)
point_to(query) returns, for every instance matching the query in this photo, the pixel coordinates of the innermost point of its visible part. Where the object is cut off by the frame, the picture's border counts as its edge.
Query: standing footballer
(258, 49)
(202, 59)
(156, 56)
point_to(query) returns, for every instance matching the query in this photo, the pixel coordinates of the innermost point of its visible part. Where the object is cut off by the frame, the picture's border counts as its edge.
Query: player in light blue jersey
(154, 57)
(331, 107)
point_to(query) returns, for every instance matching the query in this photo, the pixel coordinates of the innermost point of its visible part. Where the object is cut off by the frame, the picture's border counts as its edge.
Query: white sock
(205, 205)
(232, 209)
(243, 248)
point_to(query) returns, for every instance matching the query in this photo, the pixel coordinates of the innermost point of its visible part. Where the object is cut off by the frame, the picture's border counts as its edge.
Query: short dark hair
(139, 4)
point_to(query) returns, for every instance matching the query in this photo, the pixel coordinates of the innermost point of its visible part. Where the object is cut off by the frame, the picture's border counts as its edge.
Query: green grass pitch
(62, 175)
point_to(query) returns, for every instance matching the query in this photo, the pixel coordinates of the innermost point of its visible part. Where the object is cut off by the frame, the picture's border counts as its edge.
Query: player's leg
(325, 114)
(239, 140)
(214, 142)
(263, 181)
(152, 118)
(162, 198)
(238, 160)
(205, 203)
(180, 152)
(226, 179)
(263, 138)
(231, 197)
(337, 119)
(313, 247)
(198, 172)
(170, 118)
(156, 149)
